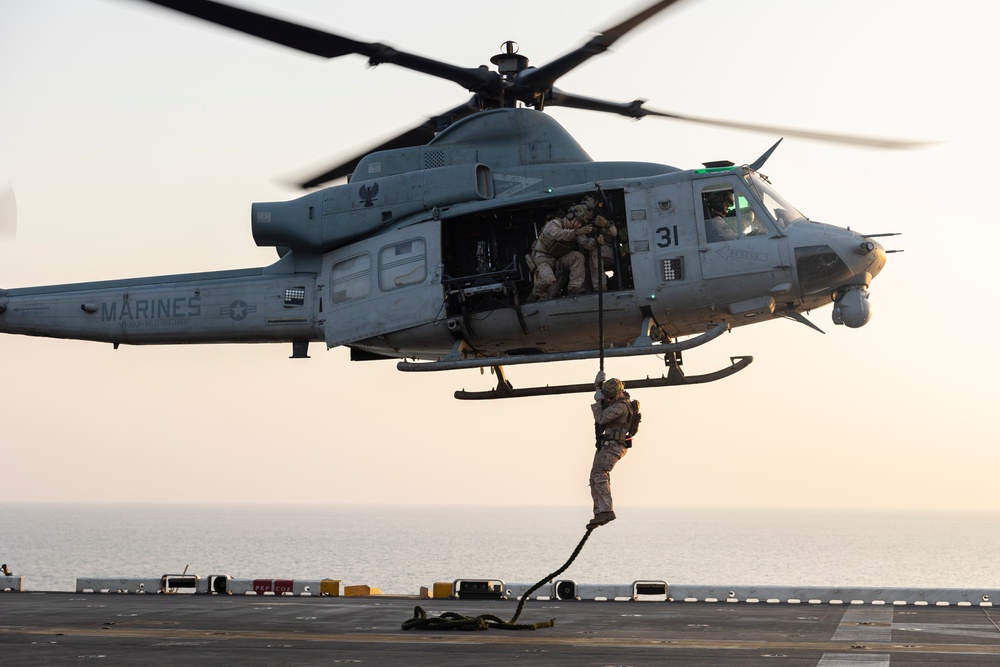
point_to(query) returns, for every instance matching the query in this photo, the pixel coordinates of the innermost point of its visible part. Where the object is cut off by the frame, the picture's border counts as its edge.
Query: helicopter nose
(871, 254)
(878, 263)
(851, 307)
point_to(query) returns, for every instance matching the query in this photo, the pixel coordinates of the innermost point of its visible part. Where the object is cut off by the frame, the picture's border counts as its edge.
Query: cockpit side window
(729, 215)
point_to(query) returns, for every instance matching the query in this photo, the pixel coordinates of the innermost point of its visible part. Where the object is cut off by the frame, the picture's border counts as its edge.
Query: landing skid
(674, 377)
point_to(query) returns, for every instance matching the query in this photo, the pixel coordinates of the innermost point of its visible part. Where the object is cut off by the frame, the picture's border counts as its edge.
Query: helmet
(589, 202)
(723, 198)
(612, 387)
(580, 211)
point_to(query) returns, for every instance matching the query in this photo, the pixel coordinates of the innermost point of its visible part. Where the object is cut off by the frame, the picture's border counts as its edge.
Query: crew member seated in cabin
(5, 570)
(554, 252)
(718, 205)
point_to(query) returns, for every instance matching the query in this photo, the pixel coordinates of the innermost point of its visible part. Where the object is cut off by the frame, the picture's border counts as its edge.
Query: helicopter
(423, 254)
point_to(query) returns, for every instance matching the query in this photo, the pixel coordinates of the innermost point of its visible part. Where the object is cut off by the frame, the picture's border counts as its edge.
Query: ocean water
(399, 549)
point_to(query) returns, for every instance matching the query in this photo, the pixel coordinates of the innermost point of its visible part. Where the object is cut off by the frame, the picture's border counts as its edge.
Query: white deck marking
(852, 660)
(865, 625)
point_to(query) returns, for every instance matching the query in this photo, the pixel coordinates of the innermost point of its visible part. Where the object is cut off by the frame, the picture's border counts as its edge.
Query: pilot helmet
(723, 198)
(589, 202)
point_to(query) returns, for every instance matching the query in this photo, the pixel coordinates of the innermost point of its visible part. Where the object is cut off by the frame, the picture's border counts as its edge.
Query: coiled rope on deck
(451, 621)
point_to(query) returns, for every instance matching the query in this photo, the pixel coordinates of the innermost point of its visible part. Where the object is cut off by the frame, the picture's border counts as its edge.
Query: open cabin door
(382, 284)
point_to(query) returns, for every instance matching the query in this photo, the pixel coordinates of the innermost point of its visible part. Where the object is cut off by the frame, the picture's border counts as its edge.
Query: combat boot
(600, 519)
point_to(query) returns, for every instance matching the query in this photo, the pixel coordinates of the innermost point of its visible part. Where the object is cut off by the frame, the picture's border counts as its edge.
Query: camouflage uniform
(553, 254)
(590, 244)
(614, 417)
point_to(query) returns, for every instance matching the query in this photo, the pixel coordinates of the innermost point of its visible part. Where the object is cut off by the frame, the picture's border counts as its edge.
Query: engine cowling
(340, 214)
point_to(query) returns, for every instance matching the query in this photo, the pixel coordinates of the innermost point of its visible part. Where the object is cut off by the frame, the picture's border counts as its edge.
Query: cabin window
(402, 264)
(351, 278)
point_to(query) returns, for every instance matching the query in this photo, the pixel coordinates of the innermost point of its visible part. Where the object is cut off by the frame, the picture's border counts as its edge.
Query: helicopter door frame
(661, 238)
(762, 250)
(387, 283)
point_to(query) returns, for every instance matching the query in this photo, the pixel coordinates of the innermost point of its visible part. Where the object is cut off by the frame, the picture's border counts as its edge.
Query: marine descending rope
(452, 621)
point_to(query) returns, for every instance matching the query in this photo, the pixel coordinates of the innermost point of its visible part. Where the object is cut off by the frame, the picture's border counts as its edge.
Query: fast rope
(598, 430)
(600, 301)
(451, 621)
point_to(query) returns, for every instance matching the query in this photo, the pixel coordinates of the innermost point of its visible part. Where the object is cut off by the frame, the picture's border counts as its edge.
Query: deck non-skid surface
(191, 630)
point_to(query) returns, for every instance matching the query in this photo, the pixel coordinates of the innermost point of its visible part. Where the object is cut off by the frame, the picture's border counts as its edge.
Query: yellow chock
(442, 589)
(361, 590)
(329, 587)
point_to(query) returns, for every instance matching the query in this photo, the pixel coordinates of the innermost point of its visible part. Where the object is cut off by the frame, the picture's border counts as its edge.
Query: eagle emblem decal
(367, 194)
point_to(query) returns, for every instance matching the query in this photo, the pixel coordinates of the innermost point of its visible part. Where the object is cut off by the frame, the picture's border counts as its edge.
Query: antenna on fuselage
(759, 162)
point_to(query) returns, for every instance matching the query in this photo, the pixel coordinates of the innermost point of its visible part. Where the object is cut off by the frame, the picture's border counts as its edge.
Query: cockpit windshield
(783, 213)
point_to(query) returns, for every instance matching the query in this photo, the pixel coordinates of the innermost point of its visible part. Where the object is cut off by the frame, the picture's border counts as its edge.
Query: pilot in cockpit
(718, 205)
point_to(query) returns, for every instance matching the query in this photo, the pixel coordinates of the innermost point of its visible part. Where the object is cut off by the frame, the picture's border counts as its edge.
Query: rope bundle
(451, 621)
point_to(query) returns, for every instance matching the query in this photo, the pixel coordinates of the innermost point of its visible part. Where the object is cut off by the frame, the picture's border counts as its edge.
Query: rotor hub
(509, 62)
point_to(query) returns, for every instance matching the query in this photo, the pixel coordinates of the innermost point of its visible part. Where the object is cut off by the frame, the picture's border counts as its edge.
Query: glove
(598, 396)
(599, 380)
(585, 230)
(600, 221)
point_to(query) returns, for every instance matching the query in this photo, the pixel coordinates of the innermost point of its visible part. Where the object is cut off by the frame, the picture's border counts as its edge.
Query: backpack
(634, 417)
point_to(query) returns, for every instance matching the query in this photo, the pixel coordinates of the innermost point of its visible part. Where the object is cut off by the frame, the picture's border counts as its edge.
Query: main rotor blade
(417, 136)
(559, 98)
(328, 45)
(635, 109)
(541, 79)
(831, 137)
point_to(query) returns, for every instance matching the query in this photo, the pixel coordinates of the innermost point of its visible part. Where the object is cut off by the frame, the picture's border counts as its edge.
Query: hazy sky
(135, 141)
